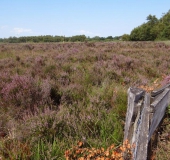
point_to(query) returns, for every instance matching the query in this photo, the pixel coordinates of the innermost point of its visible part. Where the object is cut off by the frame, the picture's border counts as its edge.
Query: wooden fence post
(159, 106)
(142, 118)
(143, 130)
(134, 95)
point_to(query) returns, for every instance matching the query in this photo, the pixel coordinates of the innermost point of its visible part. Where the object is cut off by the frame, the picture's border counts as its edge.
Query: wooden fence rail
(144, 114)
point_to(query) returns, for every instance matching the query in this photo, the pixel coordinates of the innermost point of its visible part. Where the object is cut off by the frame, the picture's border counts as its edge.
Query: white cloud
(87, 33)
(21, 30)
(4, 27)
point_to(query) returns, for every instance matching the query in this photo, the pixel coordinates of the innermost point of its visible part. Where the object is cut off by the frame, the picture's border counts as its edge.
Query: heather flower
(166, 80)
(24, 91)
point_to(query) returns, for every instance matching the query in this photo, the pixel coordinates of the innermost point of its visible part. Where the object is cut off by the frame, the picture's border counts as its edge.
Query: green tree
(135, 34)
(165, 34)
(152, 20)
(110, 38)
(125, 37)
(78, 38)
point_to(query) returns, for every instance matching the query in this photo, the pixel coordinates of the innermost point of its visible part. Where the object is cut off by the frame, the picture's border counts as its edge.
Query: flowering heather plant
(4, 78)
(166, 80)
(24, 91)
(63, 92)
(39, 61)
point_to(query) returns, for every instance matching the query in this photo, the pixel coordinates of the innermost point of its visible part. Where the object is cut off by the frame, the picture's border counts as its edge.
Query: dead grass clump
(78, 152)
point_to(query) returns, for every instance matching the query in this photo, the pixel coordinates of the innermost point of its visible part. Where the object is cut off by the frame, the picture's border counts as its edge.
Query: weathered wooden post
(142, 118)
(159, 106)
(141, 147)
(134, 96)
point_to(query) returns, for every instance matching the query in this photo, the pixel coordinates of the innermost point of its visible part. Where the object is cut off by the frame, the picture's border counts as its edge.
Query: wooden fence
(144, 113)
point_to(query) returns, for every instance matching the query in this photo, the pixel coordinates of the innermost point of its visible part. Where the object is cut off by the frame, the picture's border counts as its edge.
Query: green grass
(48, 150)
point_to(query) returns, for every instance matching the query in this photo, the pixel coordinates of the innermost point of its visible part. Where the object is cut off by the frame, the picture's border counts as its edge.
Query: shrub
(26, 92)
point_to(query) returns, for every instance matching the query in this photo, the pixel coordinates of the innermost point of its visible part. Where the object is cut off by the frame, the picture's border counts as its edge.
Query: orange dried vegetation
(152, 87)
(111, 153)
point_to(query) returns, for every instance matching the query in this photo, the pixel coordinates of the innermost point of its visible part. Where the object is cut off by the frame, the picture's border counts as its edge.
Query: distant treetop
(153, 29)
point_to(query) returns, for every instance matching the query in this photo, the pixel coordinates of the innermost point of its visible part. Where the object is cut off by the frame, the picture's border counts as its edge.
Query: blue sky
(74, 17)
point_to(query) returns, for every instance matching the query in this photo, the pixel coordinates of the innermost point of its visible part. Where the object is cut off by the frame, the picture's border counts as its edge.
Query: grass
(55, 94)
(166, 42)
(48, 150)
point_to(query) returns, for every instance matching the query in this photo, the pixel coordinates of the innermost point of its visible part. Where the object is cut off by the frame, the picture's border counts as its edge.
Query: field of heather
(53, 95)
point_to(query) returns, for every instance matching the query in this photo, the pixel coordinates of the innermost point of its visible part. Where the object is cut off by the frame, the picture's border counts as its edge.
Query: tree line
(49, 38)
(153, 29)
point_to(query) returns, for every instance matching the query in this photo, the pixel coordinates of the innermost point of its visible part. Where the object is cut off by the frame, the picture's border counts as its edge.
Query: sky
(76, 17)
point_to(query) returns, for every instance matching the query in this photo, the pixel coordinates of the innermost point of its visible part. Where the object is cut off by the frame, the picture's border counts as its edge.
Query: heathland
(53, 95)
